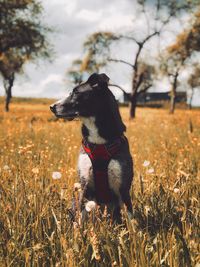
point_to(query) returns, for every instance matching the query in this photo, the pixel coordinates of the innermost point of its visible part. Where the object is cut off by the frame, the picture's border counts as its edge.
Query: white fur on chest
(114, 173)
(115, 176)
(85, 169)
(94, 136)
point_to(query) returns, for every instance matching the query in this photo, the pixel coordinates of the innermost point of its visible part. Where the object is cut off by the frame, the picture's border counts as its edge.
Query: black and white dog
(105, 164)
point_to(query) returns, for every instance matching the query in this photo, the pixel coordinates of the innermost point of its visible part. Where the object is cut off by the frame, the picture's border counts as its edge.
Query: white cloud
(70, 6)
(73, 22)
(89, 15)
(53, 86)
(51, 78)
(116, 21)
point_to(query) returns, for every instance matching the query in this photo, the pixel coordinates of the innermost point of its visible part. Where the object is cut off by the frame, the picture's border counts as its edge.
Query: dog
(105, 165)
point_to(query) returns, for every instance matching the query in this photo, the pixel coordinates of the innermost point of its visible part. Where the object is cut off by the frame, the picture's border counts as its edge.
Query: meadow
(35, 229)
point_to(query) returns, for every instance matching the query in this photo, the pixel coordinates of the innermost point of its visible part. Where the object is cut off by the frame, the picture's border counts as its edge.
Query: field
(35, 229)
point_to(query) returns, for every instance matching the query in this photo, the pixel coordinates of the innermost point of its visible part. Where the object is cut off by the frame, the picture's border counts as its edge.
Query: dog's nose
(53, 107)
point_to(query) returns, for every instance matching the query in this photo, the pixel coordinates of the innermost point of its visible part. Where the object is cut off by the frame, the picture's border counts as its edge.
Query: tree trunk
(7, 99)
(133, 97)
(191, 98)
(173, 94)
(172, 102)
(133, 102)
(8, 84)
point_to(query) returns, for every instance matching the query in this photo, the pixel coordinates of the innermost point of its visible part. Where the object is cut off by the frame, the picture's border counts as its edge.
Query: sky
(73, 21)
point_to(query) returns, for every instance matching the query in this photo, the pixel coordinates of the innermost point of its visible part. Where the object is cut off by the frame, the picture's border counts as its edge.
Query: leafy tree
(171, 65)
(9, 65)
(156, 15)
(189, 40)
(97, 44)
(75, 73)
(22, 38)
(178, 56)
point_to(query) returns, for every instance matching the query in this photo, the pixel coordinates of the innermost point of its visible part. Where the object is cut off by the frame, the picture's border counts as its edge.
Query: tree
(156, 16)
(97, 56)
(194, 82)
(97, 44)
(75, 73)
(189, 40)
(22, 38)
(171, 65)
(9, 65)
(178, 55)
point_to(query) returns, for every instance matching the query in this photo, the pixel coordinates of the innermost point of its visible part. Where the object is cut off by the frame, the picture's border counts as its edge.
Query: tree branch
(139, 81)
(129, 38)
(115, 85)
(144, 89)
(149, 37)
(141, 44)
(121, 61)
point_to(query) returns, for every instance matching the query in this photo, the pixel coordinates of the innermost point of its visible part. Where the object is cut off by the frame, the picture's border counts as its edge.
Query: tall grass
(35, 229)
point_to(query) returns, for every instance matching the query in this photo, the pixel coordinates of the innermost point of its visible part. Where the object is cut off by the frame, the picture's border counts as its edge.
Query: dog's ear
(104, 78)
(97, 79)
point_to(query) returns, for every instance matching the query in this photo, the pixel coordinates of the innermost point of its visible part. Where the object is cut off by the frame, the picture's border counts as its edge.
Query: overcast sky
(73, 22)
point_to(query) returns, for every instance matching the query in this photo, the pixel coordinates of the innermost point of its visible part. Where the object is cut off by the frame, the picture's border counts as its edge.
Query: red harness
(100, 156)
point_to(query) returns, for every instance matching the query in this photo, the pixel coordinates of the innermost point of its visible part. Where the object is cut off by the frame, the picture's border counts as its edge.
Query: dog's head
(86, 99)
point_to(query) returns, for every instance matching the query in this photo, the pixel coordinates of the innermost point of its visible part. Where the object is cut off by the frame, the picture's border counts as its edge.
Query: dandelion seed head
(90, 205)
(176, 190)
(56, 175)
(146, 163)
(150, 171)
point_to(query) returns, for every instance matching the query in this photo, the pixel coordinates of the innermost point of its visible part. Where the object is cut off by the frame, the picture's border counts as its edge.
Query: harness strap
(100, 156)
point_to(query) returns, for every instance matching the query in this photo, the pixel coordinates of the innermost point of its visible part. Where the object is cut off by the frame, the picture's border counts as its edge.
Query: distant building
(157, 98)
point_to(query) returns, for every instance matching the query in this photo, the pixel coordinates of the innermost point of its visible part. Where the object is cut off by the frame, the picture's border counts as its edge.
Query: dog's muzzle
(53, 108)
(60, 113)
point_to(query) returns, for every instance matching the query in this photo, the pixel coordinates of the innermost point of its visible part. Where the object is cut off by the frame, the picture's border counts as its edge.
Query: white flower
(6, 168)
(90, 205)
(77, 186)
(56, 175)
(176, 190)
(150, 171)
(146, 163)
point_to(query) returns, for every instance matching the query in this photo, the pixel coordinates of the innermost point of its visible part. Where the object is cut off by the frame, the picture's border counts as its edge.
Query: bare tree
(172, 65)
(156, 16)
(22, 38)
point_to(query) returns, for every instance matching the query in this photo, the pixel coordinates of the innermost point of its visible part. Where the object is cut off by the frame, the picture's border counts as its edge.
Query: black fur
(94, 99)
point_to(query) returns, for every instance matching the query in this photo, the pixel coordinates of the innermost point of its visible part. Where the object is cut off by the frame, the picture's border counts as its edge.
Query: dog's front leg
(86, 194)
(85, 172)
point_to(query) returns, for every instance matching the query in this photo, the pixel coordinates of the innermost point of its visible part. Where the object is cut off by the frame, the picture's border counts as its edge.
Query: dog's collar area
(100, 156)
(102, 151)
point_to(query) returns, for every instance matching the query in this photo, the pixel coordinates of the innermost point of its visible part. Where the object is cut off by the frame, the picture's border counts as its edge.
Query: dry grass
(34, 225)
